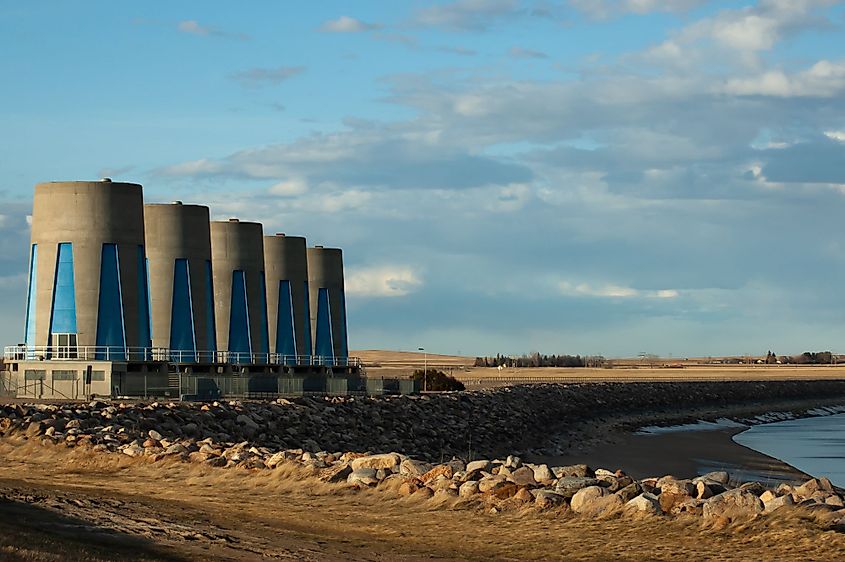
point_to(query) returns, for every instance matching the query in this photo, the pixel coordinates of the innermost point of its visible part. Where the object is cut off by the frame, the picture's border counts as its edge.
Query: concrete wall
(239, 245)
(325, 270)
(285, 259)
(88, 214)
(176, 231)
(63, 379)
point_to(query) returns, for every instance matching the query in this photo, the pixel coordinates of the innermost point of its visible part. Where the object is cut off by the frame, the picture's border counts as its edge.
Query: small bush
(437, 380)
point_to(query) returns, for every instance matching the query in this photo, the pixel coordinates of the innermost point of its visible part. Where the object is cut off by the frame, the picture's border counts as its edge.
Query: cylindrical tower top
(240, 296)
(327, 301)
(179, 252)
(287, 294)
(89, 285)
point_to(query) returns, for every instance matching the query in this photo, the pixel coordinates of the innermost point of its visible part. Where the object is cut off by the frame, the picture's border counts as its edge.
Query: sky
(504, 176)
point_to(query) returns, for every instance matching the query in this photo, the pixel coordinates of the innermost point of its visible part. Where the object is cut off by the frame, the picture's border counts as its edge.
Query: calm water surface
(813, 445)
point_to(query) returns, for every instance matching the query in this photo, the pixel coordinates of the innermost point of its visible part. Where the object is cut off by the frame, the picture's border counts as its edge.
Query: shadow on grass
(34, 534)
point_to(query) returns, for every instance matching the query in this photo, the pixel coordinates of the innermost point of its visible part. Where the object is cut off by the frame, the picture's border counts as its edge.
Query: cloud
(521, 53)
(346, 24)
(823, 79)
(193, 27)
(382, 281)
(366, 155)
(611, 291)
(611, 8)
(289, 188)
(259, 77)
(738, 36)
(467, 15)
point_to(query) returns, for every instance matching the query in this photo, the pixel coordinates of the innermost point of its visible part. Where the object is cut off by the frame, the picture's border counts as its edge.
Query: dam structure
(128, 300)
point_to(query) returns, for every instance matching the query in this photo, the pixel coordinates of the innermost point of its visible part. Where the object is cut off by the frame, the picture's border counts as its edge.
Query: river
(813, 445)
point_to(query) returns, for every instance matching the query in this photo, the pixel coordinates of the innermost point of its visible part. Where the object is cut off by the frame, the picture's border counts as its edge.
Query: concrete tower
(181, 287)
(240, 295)
(286, 265)
(87, 279)
(327, 302)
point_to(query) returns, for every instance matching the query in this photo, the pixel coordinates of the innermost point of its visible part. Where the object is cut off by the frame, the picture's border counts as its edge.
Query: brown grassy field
(178, 511)
(403, 363)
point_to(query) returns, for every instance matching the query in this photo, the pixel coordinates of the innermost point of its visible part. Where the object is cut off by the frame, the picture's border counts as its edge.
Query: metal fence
(163, 354)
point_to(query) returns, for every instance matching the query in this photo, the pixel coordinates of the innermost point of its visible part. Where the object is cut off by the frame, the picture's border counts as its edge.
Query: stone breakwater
(327, 437)
(531, 418)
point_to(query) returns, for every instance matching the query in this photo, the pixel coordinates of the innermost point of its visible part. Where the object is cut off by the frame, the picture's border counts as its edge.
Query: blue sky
(608, 176)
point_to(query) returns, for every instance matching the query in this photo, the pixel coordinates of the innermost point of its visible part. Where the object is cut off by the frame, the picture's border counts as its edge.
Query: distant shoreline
(687, 450)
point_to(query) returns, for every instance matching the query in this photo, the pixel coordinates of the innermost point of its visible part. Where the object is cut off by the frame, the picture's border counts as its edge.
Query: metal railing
(163, 354)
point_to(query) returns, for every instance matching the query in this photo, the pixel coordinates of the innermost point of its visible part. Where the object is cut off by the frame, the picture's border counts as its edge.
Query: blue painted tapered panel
(111, 330)
(285, 341)
(144, 329)
(239, 337)
(182, 335)
(63, 312)
(306, 327)
(343, 344)
(324, 347)
(29, 338)
(210, 322)
(264, 335)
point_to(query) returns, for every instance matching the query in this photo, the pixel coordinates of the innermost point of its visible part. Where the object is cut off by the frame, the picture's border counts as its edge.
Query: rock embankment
(400, 444)
(466, 425)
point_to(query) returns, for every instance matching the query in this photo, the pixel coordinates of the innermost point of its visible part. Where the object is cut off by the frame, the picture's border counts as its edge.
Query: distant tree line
(539, 360)
(806, 358)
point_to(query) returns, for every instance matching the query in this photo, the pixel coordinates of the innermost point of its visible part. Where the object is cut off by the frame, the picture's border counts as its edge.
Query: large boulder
(575, 470)
(543, 474)
(388, 461)
(644, 503)
(468, 489)
(568, 486)
(480, 465)
(412, 467)
(596, 506)
(733, 504)
(718, 477)
(362, 477)
(490, 482)
(523, 476)
(546, 499)
(336, 473)
(444, 470)
(771, 502)
(583, 497)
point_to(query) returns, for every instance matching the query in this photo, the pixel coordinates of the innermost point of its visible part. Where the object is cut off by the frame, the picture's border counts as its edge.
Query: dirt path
(136, 510)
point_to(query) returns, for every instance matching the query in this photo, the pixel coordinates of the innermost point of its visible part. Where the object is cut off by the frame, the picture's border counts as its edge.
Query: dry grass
(288, 510)
(388, 364)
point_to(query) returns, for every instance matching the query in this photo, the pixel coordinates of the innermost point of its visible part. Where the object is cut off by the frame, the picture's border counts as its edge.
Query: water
(813, 445)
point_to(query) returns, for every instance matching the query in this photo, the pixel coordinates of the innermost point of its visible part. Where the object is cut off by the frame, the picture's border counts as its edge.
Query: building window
(34, 374)
(64, 375)
(64, 346)
(98, 376)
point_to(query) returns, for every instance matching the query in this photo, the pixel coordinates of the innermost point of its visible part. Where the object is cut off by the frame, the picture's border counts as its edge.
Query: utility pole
(425, 368)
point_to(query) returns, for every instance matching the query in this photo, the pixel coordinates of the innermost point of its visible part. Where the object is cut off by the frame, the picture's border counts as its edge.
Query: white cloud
(382, 281)
(193, 27)
(835, 135)
(289, 188)
(346, 24)
(613, 291)
(824, 79)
